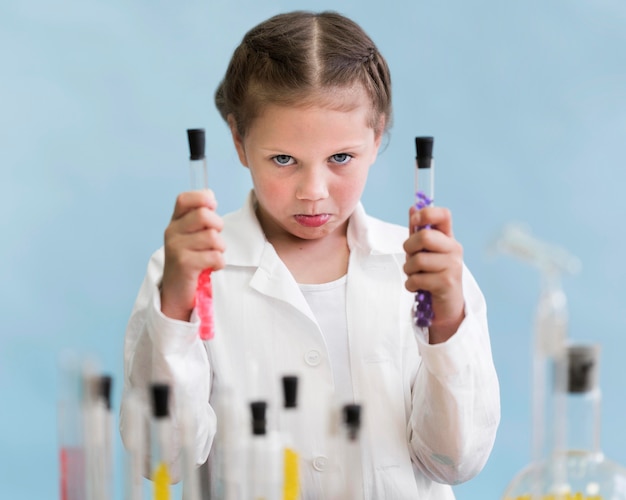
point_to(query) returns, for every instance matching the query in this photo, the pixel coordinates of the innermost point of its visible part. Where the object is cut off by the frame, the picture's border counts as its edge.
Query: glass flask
(575, 468)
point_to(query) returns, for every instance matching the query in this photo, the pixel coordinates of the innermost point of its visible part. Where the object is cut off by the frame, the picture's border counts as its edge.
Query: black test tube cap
(197, 143)
(160, 400)
(104, 389)
(582, 367)
(424, 151)
(290, 391)
(259, 423)
(424, 147)
(352, 419)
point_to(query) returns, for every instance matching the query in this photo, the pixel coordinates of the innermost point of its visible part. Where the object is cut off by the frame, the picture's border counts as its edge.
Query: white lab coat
(430, 411)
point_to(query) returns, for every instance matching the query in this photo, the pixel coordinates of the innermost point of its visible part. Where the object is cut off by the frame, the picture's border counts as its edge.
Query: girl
(305, 282)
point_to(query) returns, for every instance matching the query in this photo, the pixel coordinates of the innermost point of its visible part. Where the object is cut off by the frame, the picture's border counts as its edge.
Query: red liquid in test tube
(199, 180)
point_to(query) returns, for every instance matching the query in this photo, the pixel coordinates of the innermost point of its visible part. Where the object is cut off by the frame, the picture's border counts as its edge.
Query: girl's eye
(283, 160)
(341, 158)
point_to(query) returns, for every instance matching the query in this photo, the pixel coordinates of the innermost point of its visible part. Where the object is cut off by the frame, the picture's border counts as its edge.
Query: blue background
(527, 101)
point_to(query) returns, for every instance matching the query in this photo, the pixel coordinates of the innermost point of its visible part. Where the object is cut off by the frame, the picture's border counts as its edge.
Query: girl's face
(309, 166)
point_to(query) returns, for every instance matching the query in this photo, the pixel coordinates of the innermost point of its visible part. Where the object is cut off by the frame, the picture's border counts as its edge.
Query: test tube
(135, 443)
(160, 440)
(104, 387)
(98, 421)
(199, 180)
(424, 197)
(229, 451)
(70, 429)
(191, 478)
(352, 452)
(289, 416)
(265, 466)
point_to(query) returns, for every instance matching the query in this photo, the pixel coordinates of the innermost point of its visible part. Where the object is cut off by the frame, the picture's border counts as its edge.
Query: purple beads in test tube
(424, 193)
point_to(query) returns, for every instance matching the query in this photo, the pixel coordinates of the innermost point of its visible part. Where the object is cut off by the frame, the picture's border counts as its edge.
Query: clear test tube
(98, 423)
(191, 478)
(229, 451)
(352, 452)
(424, 197)
(265, 464)
(199, 180)
(288, 429)
(105, 386)
(71, 446)
(135, 420)
(161, 434)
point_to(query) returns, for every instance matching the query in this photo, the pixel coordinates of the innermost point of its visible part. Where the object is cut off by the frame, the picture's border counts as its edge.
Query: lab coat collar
(370, 236)
(246, 246)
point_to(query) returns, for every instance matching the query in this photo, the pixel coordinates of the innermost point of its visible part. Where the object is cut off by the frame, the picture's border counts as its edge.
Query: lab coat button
(312, 358)
(320, 463)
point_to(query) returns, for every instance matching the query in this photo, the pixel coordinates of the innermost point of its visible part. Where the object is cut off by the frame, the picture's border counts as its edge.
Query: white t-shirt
(328, 303)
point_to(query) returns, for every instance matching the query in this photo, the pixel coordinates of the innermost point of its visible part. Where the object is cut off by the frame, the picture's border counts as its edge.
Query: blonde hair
(303, 58)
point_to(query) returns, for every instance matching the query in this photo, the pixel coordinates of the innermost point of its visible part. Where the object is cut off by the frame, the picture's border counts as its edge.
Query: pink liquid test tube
(199, 180)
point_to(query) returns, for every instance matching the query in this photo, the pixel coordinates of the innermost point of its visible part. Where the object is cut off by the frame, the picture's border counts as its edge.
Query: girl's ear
(237, 140)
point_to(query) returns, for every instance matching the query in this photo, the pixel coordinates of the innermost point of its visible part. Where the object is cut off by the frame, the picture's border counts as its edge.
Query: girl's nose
(313, 184)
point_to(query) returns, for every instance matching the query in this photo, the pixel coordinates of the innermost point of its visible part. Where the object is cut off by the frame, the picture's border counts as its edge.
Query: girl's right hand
(192, 243)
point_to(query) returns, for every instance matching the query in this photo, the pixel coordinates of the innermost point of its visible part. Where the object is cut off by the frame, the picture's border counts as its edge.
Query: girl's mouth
(312, 220)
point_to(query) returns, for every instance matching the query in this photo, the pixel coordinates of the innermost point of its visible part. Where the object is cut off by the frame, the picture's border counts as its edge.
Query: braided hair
(304, 58)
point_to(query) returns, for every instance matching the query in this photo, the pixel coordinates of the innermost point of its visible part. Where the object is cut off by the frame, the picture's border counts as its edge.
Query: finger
(188, 253)
(202, 218)
(213, 259)
(190, 200)
(190, 263)
(431, 240)
(439, 218)
(197, 219)
(438, 283)
(428, 262)
(207, 239)
(432, 263)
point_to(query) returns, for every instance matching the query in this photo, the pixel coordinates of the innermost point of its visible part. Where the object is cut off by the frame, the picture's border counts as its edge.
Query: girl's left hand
(434, 262)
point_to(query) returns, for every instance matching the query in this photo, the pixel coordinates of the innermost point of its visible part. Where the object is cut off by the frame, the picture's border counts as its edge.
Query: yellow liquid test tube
(161, 479)
(161, 432)
(291, 458)
(291, 486)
